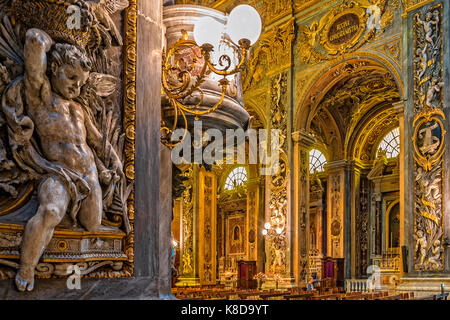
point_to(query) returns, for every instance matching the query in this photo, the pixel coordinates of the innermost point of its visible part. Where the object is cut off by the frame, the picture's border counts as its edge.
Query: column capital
(303, 138)
(344, 164)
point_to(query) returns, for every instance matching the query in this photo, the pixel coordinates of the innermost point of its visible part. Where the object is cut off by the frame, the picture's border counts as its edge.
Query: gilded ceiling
(347, 104)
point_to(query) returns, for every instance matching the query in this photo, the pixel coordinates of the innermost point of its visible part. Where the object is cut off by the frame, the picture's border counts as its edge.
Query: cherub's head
(428, 16)
(419, 233)
(70, 67)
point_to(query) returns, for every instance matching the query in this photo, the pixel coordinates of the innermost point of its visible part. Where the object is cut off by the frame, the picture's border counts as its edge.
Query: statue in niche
(51, 108)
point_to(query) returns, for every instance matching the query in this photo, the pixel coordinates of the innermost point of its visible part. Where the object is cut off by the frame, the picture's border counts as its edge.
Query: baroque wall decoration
(363, 227)
(36, 171)
(272, 54)
(207, 216)
(343, 29)
(393, 50)
(369, 135)
(187, 221)
(428, 139)
(277, 245)
(336, 223)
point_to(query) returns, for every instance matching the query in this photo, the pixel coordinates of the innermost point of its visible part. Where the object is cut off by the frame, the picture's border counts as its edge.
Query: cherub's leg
(90, 214)
(53, 201)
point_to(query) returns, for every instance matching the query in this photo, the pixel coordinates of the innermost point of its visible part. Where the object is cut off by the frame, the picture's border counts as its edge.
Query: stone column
(352, 190)
(336, 171)
(426, 210)
(399, 107)
(300, 175)
(153, 208)
(189, 264)
(253, 221)
(428, 139)
(207, 227)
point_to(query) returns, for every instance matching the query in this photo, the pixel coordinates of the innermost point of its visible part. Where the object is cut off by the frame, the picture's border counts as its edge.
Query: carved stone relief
(64, 135)
(428, 139)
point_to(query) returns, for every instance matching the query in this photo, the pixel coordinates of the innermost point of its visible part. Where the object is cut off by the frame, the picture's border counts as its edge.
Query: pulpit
(246, 272)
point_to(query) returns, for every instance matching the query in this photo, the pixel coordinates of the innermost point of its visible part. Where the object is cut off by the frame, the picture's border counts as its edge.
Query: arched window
(236, 177)
(391, 143)
(316, 161)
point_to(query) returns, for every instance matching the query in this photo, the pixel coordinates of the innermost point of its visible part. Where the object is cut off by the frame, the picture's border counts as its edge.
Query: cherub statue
(423, 60)
(428, 25)
(436, 250)
(433, 90)
(421, 245)
(51, 94)
(68, 138)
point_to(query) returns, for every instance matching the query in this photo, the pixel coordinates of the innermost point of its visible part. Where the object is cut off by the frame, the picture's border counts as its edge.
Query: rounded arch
(317, 160)
(392, 227)
(333, 72)
(226, 173)
(389, 142)
(379, 120)
(366, 137)
(253, 109)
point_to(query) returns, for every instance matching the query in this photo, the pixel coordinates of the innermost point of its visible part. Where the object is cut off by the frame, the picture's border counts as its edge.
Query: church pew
(271, 296)
(333, 296)
(300, 296)
(393, 297)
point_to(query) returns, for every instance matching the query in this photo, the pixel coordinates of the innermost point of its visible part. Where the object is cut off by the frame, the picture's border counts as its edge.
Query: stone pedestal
(423, 286)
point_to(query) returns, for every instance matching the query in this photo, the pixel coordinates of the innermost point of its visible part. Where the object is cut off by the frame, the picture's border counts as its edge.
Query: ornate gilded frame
(334, 49)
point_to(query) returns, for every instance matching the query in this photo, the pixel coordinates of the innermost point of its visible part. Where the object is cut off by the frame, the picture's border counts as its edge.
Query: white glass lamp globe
(267, 226)
(244, 22)
(279, 230)
(208, 30)
(264, 232)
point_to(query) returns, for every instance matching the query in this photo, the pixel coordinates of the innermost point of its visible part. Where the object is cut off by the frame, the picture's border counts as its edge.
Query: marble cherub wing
(115, 190)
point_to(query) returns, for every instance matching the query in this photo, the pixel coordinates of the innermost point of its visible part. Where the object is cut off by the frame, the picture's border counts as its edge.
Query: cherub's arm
(37, 44)
(95, 140)
(419, 21)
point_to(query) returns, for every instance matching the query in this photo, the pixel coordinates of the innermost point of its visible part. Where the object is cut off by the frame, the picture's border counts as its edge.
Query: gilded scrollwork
(392, 49)
(272, 54)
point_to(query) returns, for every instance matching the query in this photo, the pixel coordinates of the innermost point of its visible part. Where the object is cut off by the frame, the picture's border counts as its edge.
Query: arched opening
(349, 110)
